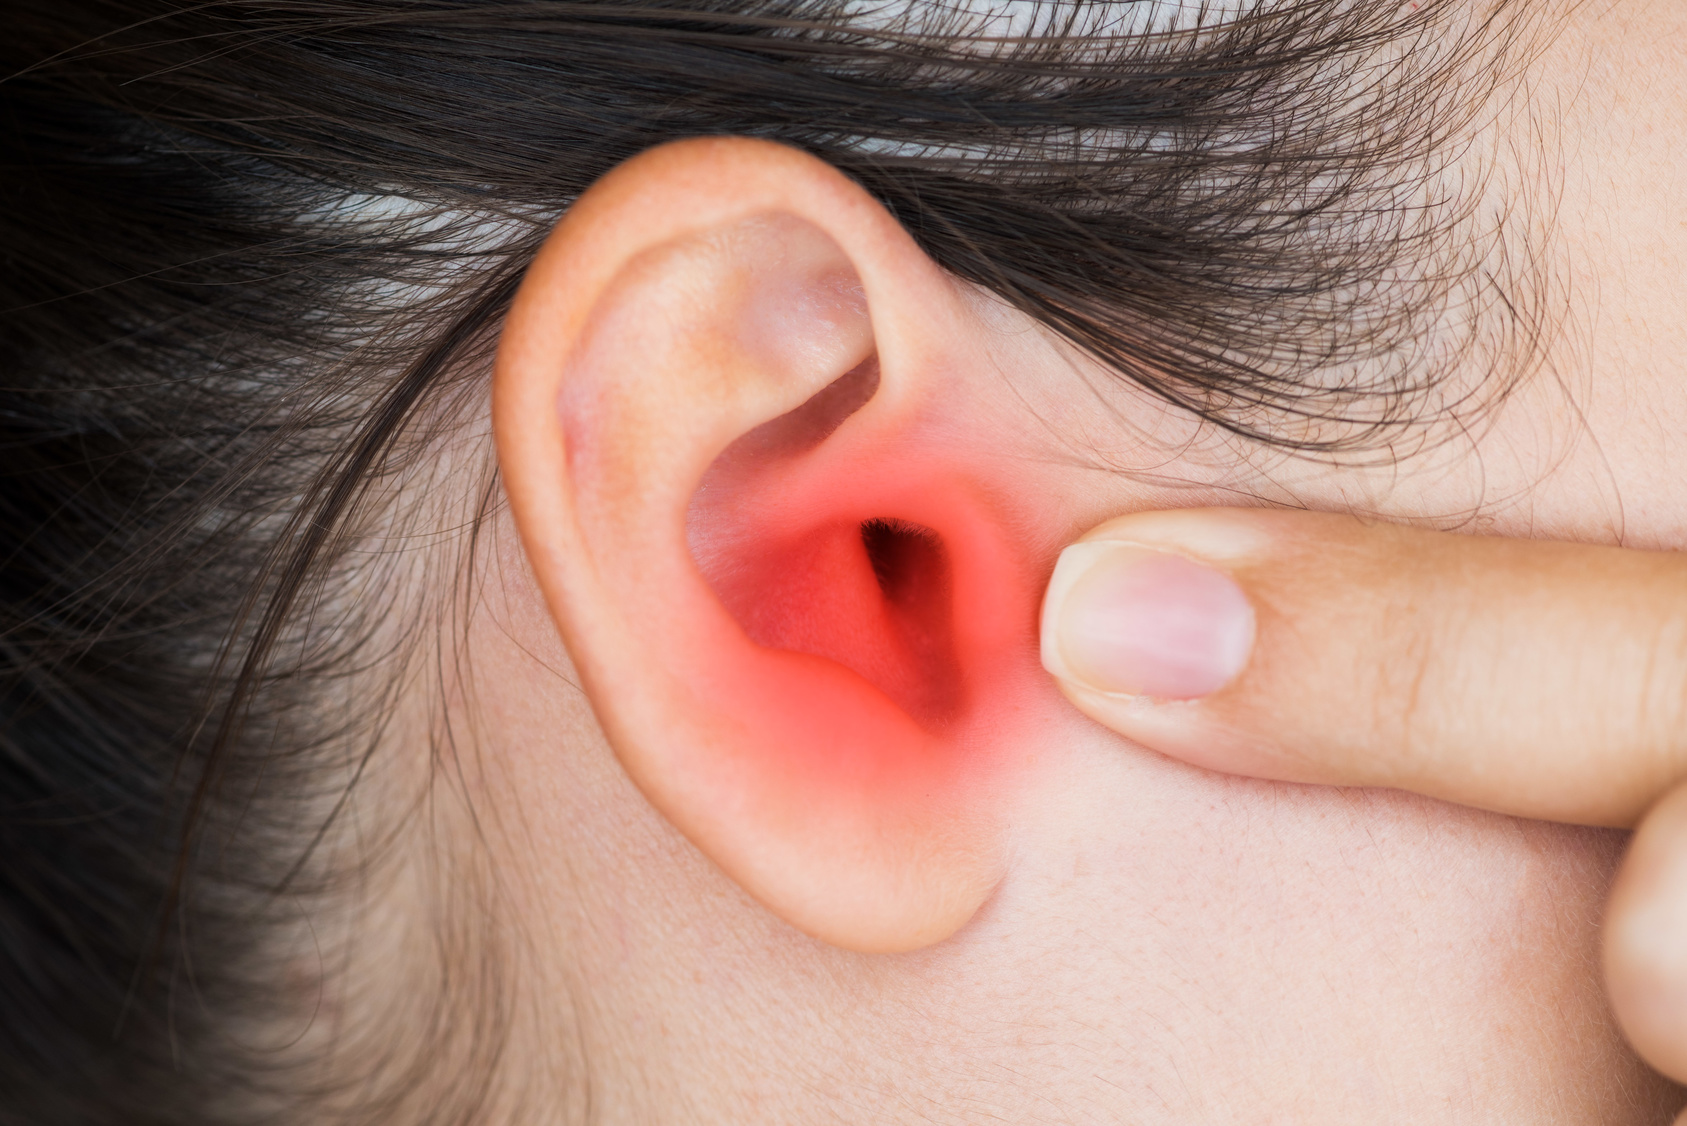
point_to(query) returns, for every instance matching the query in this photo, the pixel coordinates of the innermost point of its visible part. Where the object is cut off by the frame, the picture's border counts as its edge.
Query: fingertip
(1123, 619)
(1645, 939)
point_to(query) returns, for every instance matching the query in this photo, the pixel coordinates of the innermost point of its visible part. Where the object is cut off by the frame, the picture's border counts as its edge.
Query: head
(525, 528)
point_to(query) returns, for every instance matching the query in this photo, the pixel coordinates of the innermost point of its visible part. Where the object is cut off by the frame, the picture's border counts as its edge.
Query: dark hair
(255, 251)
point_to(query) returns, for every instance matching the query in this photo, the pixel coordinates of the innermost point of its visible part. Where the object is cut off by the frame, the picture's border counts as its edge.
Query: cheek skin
(1317, 954)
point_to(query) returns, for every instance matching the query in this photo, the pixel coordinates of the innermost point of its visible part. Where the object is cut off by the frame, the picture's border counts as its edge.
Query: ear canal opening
(873, 594)
(911, 564)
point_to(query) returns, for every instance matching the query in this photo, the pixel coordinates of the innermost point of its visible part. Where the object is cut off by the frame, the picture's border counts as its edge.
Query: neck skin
(1169, 946)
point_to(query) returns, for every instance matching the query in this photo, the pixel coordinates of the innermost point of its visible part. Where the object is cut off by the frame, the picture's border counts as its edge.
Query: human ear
(790, 592)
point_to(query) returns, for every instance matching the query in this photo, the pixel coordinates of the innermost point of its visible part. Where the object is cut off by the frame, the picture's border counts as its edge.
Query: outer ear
(796, 613)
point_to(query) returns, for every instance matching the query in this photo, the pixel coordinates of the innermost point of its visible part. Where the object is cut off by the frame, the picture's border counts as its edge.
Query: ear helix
(759, 570)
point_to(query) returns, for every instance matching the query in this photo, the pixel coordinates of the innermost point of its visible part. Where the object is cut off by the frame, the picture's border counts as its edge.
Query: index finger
(1539, 679)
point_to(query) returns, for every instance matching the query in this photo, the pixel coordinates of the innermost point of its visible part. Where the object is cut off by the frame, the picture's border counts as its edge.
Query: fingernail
(1126, 619)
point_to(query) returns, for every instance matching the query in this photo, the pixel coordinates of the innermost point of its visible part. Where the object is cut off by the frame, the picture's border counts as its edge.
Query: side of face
(792, 825)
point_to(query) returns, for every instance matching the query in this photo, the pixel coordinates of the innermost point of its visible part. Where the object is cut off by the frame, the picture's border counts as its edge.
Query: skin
(1159, 941)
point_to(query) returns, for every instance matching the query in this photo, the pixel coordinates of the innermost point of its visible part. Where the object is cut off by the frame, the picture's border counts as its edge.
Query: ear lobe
(802, 626)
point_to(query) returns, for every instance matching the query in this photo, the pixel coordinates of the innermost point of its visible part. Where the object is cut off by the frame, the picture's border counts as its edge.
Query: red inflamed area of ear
(883, 615)
(832, 637)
